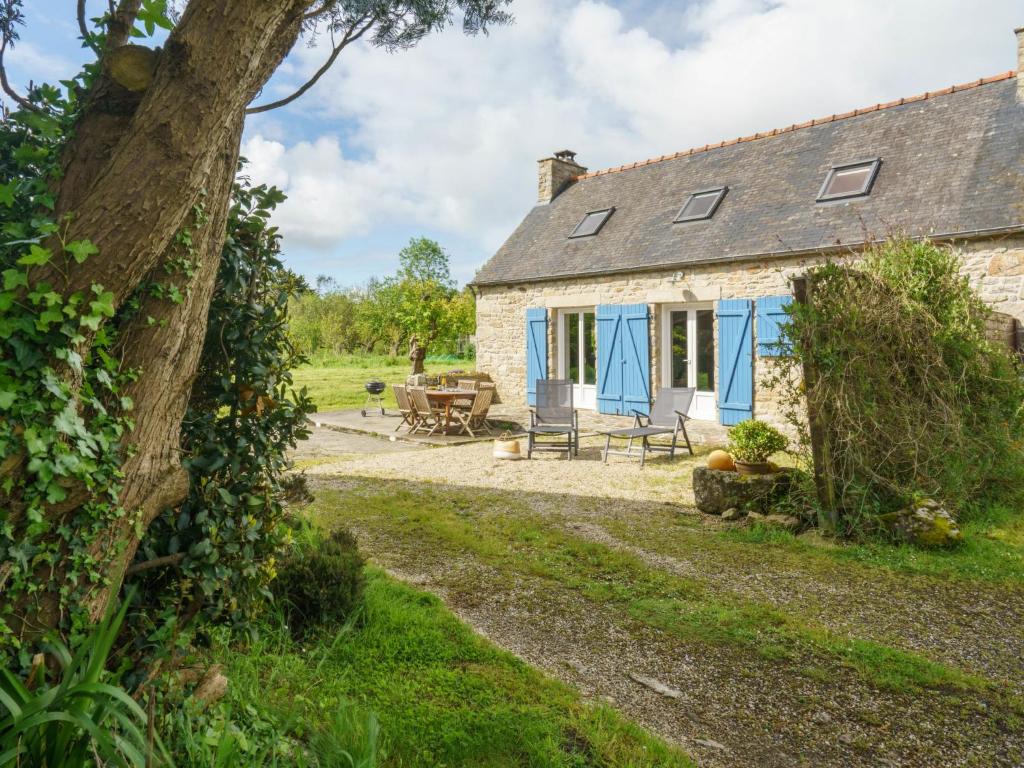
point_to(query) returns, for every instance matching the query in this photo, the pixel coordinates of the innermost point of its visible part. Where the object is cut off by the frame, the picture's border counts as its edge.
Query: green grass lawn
(336, 383)
(443, 695)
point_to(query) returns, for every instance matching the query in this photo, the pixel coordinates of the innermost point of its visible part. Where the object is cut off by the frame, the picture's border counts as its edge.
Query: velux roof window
(701, 205)
(850, 180)
(592, 223)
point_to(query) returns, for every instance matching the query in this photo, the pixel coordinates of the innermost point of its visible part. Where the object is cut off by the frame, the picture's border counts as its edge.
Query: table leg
(447, 416)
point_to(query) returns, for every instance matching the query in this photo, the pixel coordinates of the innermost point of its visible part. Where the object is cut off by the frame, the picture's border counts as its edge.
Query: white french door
(577, 354)
(688, 354)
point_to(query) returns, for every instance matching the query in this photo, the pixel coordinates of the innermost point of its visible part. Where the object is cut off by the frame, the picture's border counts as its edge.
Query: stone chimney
(556, 173)
(1020, 64)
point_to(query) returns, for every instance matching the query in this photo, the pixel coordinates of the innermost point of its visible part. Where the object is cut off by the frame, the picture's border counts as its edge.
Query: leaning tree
(108, 284)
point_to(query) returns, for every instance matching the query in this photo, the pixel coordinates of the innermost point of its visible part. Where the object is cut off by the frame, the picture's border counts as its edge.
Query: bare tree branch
(83, 28)
(81, 19)
(156, 562)
(121, 20)
(20, 100)
(353, 33)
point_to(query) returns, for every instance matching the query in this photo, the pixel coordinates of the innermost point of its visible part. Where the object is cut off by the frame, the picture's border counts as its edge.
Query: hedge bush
(320, 582)
(914, 400)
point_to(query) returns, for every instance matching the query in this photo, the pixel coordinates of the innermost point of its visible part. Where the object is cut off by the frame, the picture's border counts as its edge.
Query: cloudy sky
(443, 140)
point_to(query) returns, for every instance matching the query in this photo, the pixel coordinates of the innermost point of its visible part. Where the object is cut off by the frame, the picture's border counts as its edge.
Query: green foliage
(320, 582)
(418, 303)
(914, 400)
(243, 416)
(754, 441)
(55, 439)
(82, 719)
(403, 24)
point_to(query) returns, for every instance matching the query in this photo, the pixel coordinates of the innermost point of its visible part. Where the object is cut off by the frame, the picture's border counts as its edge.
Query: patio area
(502, 418)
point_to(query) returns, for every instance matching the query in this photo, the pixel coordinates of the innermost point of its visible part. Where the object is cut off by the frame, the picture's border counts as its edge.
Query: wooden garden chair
(476, 417)
(405, 407)
(430, 417)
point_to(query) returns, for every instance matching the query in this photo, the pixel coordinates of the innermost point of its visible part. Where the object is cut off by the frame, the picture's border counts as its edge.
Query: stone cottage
(674, 271)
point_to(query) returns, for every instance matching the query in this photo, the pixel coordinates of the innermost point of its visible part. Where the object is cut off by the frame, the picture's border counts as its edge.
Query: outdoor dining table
(447, 397)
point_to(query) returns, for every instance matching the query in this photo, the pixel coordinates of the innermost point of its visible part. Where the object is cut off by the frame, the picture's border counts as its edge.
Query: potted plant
(751, 442)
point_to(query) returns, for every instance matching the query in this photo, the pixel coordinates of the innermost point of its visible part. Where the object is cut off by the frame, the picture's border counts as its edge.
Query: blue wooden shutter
(735, 361)
(771, 313)
(636, 359)
(609, 358)
(536, 350)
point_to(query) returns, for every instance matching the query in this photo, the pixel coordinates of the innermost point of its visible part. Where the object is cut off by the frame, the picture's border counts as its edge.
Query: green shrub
(82, 718)
(754, 441)
(914, 401)
(320, 582)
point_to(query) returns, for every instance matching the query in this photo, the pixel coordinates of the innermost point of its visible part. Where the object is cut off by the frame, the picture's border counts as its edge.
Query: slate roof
(952, 164)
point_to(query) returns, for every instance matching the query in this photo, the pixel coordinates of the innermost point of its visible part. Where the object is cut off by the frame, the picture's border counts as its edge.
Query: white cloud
(446, 136)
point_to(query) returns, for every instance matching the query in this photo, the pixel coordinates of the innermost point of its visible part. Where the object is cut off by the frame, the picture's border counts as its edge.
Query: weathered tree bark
(417, 354)
(137, 165)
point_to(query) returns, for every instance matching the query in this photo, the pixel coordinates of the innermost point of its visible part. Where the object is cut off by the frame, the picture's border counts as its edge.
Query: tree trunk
(417, 354)
(133, 174)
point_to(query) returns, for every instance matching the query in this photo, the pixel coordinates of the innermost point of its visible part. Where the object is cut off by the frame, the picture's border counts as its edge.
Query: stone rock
(732, 514)
(926, 524)
(716, 491)
(710, 744)
(821, 717)
(656, 685)
(784, 522)
(755, 517)
(212, 687)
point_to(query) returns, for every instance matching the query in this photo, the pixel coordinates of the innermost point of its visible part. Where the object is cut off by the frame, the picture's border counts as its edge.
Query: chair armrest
(638, 419)
(533, 418)
(682, 416)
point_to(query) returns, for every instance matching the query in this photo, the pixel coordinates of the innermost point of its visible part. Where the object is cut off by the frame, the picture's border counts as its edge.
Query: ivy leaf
(7, 193)
(68, 421)
(104, 303)
(55, 493)
(14, 278)
(81, 250)
(7, 400)
(35, 257)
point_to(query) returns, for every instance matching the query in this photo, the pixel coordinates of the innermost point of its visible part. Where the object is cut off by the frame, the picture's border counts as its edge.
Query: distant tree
(429, 307)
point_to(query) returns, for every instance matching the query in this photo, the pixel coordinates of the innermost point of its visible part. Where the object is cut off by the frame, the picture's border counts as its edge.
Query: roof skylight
(850, 180)
(701, 205)
(592, 223)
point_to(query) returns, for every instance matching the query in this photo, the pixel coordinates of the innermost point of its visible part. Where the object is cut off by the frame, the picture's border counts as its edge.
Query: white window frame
(704, 404)
(584, 395)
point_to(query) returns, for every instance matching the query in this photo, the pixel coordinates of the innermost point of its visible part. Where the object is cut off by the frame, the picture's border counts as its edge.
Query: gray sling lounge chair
(554, 416)
(668, 417)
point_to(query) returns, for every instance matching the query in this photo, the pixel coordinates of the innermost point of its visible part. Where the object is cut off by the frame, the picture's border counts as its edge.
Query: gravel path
(728, 708)
(725, 705)
(474, 466)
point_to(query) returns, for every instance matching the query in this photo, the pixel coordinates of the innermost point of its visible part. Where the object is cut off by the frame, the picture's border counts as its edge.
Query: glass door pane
(572, 346)
(706, 349)
(680, 349)
(589, 348)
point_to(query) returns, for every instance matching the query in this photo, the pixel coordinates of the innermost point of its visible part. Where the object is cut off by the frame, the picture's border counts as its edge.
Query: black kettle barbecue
(374, 395)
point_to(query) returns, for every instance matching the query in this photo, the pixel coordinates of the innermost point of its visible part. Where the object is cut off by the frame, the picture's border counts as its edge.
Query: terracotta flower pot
(753, 467)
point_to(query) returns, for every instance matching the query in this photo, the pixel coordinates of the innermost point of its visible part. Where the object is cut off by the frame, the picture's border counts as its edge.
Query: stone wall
(994, 267)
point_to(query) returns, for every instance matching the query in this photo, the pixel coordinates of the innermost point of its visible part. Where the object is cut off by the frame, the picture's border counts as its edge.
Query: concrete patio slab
(502, 418)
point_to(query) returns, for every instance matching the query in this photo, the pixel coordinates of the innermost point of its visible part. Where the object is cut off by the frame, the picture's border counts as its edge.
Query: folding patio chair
(430, 417)
(476, 416)
(405, 407)
(554, 416)
(668, 417)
